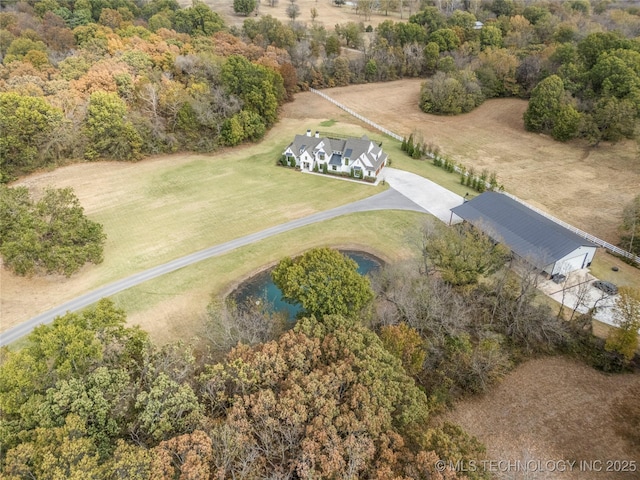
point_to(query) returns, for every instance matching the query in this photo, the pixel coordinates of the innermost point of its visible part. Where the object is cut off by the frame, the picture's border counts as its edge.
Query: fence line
(357, 115)
(577, 231)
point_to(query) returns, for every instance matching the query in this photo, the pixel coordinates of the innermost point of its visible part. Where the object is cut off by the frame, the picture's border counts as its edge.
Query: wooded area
(117, 79)
(352, 395)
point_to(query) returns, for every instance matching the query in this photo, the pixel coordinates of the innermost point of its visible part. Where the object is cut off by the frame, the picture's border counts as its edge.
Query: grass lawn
(626, 275)
(165, 207)
(171, 307)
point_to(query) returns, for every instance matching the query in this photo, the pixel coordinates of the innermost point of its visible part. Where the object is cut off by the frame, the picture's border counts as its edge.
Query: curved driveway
(387, 200)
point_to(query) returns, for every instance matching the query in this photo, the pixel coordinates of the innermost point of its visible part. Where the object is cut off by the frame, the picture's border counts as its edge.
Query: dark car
(606, 287)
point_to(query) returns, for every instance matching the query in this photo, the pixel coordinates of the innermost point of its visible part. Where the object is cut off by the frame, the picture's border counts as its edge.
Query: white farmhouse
(359, 157)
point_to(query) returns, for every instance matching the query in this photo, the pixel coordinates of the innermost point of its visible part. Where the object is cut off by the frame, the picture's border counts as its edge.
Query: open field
(162, 208)
(586, 187)
(328, 13)
(554, 409)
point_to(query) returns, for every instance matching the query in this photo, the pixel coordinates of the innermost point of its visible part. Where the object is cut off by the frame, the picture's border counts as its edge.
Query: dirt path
(587, 187)
(555, 409)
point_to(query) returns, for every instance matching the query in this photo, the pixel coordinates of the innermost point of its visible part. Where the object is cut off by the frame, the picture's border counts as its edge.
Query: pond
(262, 287)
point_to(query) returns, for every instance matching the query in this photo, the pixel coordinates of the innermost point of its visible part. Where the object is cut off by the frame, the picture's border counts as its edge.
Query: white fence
(581, 233)
(357, 115)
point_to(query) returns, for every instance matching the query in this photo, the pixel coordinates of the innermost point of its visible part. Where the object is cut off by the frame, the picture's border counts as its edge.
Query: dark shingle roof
(524, 231)
(336, 159)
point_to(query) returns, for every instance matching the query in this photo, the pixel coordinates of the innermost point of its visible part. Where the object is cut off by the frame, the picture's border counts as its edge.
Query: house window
(333, 167)
(346, 161)
(321, 155)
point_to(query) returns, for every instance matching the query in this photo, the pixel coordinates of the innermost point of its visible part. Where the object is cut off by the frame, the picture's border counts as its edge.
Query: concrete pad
(436, 200)
(578, 292)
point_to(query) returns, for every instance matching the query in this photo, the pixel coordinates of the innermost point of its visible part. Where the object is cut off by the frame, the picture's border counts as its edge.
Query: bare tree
(293, 10)
(227, 324)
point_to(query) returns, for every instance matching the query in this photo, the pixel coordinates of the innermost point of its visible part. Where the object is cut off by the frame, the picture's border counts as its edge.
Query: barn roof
(524, 231)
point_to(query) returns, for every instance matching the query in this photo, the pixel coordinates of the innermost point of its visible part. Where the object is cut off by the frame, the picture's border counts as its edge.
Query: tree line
(110, 80)
(113, 79)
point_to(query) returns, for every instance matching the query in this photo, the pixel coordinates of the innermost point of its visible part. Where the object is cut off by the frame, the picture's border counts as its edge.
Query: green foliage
(324, 282)
(260, 88)
(198, 19)
(26, 124)
(429, 17)
(166, 408)
(109, 132)
(450, 94)
(351, 32)
(446, 39)
(270, 30)
(550, 111)
(72, 367)
(490, 36)
(244, 7)
(462, 254)
(51, 235)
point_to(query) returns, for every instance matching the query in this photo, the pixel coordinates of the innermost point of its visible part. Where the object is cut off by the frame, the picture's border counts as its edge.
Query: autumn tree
(288, 414)
(51, 235)
(324, 282)
(406, 344)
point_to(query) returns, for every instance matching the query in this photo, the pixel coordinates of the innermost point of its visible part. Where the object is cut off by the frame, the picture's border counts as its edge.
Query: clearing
(162, 208)
(584, 186)
(328, 14)
(554, 409)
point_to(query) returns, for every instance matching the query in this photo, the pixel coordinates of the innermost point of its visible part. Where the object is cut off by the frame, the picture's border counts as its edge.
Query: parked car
(606, 287)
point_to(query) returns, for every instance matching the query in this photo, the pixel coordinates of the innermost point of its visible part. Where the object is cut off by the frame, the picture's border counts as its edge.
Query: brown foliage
(186, 457)
(100, 77)
(226, 44)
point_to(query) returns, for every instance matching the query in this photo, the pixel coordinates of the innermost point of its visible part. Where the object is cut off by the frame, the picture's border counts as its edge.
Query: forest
(116, 79)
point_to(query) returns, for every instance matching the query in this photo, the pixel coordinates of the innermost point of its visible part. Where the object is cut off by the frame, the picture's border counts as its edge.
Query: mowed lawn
(162, 208)
(173, 306)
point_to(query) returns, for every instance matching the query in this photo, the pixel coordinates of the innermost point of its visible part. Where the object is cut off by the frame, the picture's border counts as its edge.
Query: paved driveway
(436, 200)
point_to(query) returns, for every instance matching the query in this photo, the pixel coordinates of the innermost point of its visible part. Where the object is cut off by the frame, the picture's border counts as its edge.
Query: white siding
(579, 258)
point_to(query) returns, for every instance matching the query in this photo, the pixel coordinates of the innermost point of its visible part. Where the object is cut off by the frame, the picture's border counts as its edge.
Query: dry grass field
(328, 14)
(584, 186)
(557, 409)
